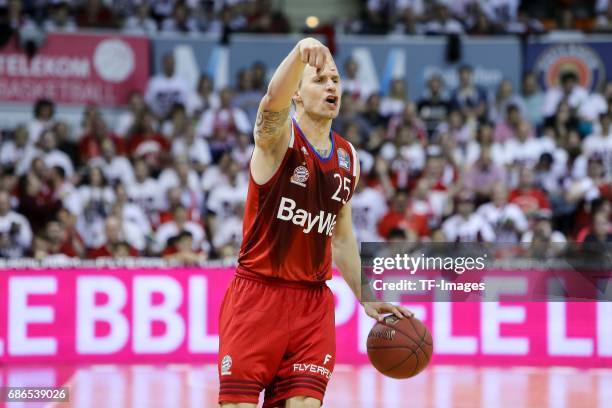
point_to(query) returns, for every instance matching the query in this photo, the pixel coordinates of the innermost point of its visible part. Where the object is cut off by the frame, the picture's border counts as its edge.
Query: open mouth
(332, 101)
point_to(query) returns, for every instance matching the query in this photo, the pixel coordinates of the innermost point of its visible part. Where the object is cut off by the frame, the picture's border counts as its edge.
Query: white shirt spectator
(59, 159)
(15, 243)
(473, 229)
(168, 179)
(135, 25)
(230, 233)
(124, 123)
(163, 92)
(556, 236)
(391, 106)
(21, 157)
(119, 168)
(508, 221)
(146, 195)
(600, 146)
(450, 26)
(594, 105)
(170, 229)
(554, 95)
(369, 206)
(500, 11)
(525, 152)
(223, 199)
(198, 151)
(223, 118)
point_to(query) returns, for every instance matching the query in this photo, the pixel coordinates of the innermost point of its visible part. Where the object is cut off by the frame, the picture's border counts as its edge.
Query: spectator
(542, 241)
(15, 231)
(115, 168)
(471, 99)
(221, 126)
(145, 143)
(59, 243)
(369, 206)
(466, 225)
(601, 230)
(225, 196)
(52, 156)
(204, 98)
(166, 89)
(507, 219)
(95, 14)
(96, 132)
(37, 201)
(181, 20)
(114, 244)
(243, 151)
(395, 102)
(527, 195)
(96, 198)
(63, 190)
(140, 22)
(372, 114)
(568, 91)
(179, 223)
(504, 97)
(136, 107)
(599, 144)
(523, 149)
(395, 217)
(144, 191)
(17, 153)
(482, 177)
(265, 19)
(44, 110)
(591, 186)
(196, 149)
(532, 99)
(187, 181)
(354, 85)
(181, 250)
(434, 106)
(227, 240)
(443, 22)
(59, 18)
(508, 127)
(247, 97)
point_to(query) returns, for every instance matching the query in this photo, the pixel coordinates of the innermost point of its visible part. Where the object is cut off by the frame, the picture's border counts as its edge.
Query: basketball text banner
(76, 69)
(171, 315)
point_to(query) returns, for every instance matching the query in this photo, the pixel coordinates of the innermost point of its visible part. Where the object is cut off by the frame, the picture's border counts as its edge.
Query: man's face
(320, 90)
(169, 65)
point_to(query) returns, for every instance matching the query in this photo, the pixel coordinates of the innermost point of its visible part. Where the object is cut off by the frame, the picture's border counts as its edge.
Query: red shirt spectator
(527, 196)
(90, 145)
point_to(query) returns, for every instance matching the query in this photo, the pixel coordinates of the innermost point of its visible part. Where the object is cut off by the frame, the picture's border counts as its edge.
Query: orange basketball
(400, 348)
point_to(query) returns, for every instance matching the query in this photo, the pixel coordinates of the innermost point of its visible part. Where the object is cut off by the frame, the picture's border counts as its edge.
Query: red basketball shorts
(277, 336)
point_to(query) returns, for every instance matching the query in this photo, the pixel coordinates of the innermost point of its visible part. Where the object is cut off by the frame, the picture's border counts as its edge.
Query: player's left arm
(346, 256)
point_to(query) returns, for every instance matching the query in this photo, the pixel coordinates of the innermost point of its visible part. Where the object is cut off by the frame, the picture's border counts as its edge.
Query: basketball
(400, 348)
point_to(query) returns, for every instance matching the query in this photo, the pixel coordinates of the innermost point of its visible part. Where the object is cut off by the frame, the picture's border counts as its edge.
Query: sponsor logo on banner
(579, 59)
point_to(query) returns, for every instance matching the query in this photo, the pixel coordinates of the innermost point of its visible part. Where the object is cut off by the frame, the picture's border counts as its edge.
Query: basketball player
(277, 319)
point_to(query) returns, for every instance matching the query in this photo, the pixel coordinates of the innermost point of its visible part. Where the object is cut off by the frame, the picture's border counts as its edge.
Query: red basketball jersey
(289, 220)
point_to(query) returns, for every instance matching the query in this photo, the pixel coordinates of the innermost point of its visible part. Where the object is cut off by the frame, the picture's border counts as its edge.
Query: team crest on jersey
(300, 175)
(226, 365)
(343, 159)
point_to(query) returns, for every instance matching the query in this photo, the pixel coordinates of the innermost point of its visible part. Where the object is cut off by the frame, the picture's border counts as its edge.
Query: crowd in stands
(146, 16)
(222, 17)
(482, 17)
(170, 177)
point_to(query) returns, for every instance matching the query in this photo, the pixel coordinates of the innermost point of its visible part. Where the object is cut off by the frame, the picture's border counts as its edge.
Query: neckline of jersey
(331, 136)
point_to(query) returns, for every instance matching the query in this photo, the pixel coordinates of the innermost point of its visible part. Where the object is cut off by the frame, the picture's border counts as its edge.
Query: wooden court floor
(191, 386)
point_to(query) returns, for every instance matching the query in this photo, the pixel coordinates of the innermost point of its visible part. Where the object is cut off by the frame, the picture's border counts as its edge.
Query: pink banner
(171, 315)
(76, 69)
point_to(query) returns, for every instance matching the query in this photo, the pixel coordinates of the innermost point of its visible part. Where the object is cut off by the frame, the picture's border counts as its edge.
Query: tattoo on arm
(268, 123)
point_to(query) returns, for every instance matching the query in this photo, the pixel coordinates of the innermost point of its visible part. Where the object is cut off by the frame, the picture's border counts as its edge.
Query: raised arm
(272, 130)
